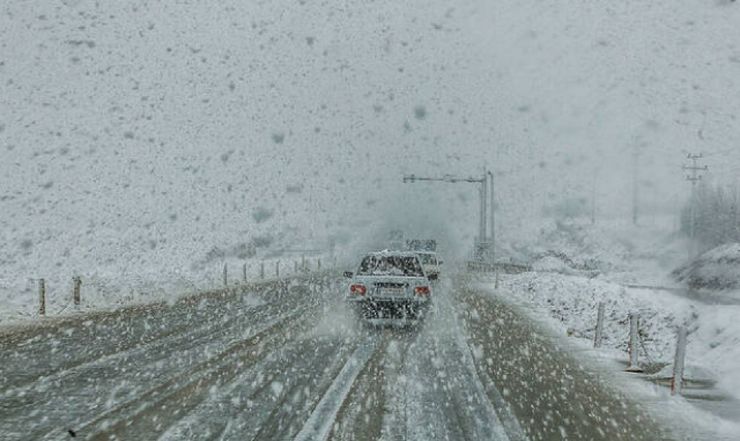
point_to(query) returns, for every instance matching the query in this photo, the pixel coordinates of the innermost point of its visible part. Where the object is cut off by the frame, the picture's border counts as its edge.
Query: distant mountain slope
(718, 269)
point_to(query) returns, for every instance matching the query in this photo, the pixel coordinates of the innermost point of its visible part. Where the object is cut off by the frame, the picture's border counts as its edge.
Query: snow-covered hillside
(717, 269)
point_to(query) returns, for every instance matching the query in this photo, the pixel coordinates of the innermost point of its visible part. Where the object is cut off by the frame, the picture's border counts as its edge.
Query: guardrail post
(277, 269)
(42, 297)
(633, 343)
(76, 282)
(678, 363)
(244, 272)
(262, 269)
(226, 275)
(599, 326)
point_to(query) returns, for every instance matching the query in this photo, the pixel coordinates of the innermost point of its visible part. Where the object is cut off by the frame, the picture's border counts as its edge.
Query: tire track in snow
(121, 331)
(149, 351)
(433, 391)
(262, 402)
(186, 389)
(467, 405)
(361, 416)
(494, 402)
(322, 419)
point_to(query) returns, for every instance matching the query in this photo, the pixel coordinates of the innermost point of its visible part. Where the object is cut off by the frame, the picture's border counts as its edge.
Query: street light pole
(483, 200)
(693, 178)
(493, 220)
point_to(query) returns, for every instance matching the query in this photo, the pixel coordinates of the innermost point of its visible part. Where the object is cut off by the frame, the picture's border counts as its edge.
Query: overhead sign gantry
(484, 250)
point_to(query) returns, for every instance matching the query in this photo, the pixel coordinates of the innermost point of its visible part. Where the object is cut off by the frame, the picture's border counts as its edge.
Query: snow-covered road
(286, 361)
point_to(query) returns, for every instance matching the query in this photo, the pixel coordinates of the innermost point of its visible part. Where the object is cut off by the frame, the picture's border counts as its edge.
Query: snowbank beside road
(714, 332)
(110, 289)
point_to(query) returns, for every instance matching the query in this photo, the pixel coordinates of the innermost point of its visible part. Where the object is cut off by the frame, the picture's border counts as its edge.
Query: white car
(390, 284)
(431, 263)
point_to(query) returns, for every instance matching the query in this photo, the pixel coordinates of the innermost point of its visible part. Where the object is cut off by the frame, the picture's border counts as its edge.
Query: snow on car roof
(393, 253)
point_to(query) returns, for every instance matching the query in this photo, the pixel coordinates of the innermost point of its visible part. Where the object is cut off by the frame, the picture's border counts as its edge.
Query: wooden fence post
(42, 297)
(633, 343)
(76, 282)
(678, 363)
(262, 269)
(244, 272)
(226, 275)
(277, 269)
(599, 326)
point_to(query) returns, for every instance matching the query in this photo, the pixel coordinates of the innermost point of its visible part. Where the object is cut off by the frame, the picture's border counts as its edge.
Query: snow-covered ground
(617, 255)
(714, 331)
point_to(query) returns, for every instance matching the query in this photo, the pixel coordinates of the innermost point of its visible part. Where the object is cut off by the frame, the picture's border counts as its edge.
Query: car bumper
(416, 300)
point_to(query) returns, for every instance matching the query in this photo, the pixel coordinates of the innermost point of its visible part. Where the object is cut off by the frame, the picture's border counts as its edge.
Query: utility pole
(593, 199)
(480, 247)
(694, 177)
(635, 182)
(483, 210)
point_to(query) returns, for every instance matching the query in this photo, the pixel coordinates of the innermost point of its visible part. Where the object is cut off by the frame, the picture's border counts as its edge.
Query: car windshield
(370, 219)
(390, 266)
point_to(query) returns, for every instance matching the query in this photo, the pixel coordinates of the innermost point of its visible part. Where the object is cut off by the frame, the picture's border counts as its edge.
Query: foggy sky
(131, 120)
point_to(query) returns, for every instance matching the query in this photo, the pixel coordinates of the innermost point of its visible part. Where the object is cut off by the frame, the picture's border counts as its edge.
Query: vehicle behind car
(431, 263)
(390, 284)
